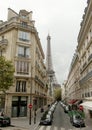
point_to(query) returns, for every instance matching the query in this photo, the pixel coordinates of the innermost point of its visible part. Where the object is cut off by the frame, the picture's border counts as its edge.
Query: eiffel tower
(49, 66)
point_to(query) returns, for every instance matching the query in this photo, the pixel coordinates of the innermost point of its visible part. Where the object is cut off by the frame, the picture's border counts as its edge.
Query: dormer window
(23, 16)
(24, 24)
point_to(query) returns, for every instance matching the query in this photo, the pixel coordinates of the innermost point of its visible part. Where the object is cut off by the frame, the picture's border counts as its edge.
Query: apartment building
(72, 84)
(64, 92)
(20, 43)
(85, 59)
(79, 81)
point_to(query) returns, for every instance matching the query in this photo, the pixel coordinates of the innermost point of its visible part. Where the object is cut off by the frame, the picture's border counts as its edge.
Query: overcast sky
(61, 19)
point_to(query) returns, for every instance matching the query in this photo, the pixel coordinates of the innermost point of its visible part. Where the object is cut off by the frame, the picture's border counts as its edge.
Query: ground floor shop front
(87, 105)
(18, 106)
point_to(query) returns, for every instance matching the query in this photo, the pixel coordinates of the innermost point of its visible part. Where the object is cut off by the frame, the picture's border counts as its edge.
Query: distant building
(72, 84)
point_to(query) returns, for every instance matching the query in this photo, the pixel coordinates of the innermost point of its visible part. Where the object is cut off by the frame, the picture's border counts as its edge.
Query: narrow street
(61, 121)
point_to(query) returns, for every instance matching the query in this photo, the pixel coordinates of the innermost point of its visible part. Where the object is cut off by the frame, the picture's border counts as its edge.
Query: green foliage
(57, 94)
(6, 74)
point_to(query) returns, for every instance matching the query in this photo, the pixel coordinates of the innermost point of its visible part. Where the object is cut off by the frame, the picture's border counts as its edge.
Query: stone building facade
(72, 84)
(79, 81)
(85, 58)
(25, 51)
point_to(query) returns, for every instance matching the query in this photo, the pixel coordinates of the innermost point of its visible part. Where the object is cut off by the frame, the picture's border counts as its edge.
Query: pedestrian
(2, 113)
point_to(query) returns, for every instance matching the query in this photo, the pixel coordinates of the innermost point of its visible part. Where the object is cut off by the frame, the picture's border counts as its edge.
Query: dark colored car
(77, 121)
(5, 121)
(47, 120)
(66, 109)
(47, 117)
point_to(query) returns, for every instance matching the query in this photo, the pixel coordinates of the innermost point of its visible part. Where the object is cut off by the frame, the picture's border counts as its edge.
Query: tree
(6, 74)
(57, 93)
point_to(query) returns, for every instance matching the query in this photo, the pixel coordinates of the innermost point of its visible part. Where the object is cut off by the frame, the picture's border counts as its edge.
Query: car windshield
(48, 116)
(78, 117)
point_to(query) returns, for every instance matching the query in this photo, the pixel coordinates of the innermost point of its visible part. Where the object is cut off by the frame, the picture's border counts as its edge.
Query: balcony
(15, 24)
(90, 57)
(39, 81)
(87, 77)
(22, 68)
(84, 65)
(3, 45)
(3, 42)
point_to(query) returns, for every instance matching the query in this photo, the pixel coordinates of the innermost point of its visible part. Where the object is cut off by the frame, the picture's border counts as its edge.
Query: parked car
(42, 109)
(5, 121)
(66, 109)
(77, 121)
(47, 118)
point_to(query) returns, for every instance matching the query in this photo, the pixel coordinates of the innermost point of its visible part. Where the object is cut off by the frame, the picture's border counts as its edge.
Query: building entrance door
(19, 106)
(90, 112)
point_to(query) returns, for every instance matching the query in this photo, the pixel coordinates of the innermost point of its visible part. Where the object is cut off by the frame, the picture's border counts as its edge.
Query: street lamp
(35, 103)
(30, 97)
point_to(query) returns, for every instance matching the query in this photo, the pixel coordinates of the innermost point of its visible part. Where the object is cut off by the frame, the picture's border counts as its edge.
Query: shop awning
(72, 101)
(78, 102)
(87, 105)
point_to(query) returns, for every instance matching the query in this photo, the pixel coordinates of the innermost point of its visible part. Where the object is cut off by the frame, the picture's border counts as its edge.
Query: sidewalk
(22, 123)
(88, 122)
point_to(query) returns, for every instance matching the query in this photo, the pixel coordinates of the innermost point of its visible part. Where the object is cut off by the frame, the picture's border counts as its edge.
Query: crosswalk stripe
(54, 128)
(41, 128)
(45, 128)
(48, 128)
(62, 128)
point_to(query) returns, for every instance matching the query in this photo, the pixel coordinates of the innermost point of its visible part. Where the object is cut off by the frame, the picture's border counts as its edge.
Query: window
(91, 93)
(23, 51)
(23, 16)
(21, 86)
(22, 67)
(88, 94)
(24, 24)
(24, 36)
(83, 95)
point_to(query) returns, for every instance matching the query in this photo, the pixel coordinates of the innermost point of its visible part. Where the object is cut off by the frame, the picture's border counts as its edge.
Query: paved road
(61, 122)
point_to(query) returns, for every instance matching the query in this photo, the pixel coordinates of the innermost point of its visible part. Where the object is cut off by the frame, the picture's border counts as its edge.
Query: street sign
(30, 106)
(81, 107)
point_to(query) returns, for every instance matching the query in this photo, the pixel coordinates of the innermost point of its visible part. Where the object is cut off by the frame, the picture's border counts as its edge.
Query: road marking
(41, 128)
(49, 128)
(62, 128)
(55, 128)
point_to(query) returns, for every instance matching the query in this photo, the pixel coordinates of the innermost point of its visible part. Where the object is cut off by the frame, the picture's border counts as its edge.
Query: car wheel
(72, 123)
(70, 119)
(9, 124)
(0, 124)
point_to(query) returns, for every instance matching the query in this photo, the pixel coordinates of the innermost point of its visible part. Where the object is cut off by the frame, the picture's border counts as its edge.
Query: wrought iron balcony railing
(90, 57)
(84, 79)
(3, 42)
